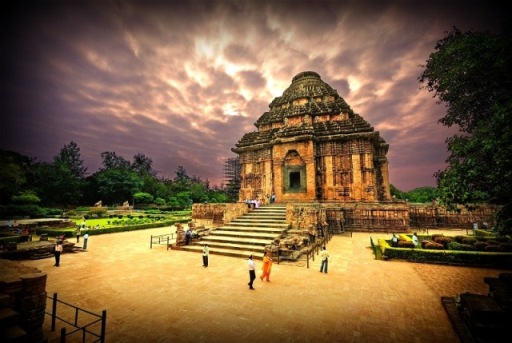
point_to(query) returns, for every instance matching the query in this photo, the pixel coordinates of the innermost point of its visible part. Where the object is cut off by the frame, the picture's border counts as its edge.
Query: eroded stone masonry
(311, 146)
(323, 160)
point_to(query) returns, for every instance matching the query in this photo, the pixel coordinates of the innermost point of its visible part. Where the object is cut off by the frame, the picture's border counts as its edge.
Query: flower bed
(493, 252)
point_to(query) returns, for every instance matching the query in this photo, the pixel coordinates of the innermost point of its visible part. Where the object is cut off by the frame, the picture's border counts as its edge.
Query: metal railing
(161, 239)
(84, 329)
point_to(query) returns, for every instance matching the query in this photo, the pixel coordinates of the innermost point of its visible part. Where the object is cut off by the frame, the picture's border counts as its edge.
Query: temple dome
(307, 94)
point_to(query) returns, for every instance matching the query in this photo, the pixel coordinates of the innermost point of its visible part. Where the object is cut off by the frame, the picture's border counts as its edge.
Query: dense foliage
(30, 187)
(471, 73)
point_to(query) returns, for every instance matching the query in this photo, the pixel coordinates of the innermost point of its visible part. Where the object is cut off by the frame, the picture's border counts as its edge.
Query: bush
(506, 247)
(492, 247)
(458, 246)
(434, 246)
(469, 240)
(443, 240)
(98, 211)
(480, 246)
(405, 244)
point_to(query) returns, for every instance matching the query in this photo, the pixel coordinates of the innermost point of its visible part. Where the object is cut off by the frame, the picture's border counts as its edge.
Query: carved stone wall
(311, 147)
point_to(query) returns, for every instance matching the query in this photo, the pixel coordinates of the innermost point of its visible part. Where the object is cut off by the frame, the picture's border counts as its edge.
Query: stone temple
(312, 147)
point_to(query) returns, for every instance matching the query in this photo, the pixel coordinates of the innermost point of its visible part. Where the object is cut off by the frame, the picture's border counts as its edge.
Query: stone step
(8, 318)
(264, 216)
(262, 222)
(246, 235)
(13, 334)
(243, 234)
(232, 241)
(256, 252)
(242, 228)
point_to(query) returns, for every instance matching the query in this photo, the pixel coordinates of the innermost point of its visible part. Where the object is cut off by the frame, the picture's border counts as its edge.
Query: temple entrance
(294, 180)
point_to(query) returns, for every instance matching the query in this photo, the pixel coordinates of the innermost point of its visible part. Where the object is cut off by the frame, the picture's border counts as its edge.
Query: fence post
(54, 311)
(103, 325)
(151, 243)
(167, 242)
(63, 335)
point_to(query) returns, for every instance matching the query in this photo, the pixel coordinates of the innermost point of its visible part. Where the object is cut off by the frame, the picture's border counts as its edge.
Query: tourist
(273, 198)
(57, 251)
(325, 260)
(415, 239)
(86, 237)
(206, 251)
(188, 236)
(78, 233)
(252, 272)
(394, 241)
(267, 266)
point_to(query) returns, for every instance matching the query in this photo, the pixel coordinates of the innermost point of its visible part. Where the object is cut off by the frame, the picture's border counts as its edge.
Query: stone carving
(342, 155)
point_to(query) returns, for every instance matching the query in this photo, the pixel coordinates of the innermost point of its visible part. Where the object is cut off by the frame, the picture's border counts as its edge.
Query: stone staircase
(245, 235)
(10, 331)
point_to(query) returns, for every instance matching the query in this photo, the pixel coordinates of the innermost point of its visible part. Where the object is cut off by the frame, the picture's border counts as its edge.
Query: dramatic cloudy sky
(182, 81)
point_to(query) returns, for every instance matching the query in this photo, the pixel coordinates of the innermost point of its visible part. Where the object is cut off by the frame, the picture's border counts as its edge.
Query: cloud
(181, 82)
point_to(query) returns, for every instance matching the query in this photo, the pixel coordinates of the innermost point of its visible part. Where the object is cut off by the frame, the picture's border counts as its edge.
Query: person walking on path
(252, 272)
(57, 252)
(78, 233)
(205, 255)
(325, 260)
(267, 266)
(86, 237)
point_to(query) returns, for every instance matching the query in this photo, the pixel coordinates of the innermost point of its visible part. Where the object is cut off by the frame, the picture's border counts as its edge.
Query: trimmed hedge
(459, 251)
(70, 232)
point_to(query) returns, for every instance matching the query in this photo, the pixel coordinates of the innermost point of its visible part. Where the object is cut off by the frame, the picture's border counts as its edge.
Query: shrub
(70, 213)
(503, 239)
(459, 238)
(434, 246)
(98, 211)
(506, 247)
(458, 246)
(493, 248)
(405, 244)
(469, 240)
(480, 246)
(443, 240)
(493, 242)
(27, 198)
(425, 242)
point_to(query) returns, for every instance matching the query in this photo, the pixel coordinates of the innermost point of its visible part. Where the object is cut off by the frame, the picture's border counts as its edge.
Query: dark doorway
(294, 180)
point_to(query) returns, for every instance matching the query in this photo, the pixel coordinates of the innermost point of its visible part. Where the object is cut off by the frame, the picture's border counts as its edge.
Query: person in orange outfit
(267, 266)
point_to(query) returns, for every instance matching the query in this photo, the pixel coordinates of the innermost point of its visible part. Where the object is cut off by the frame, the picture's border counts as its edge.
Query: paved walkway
(159, 295)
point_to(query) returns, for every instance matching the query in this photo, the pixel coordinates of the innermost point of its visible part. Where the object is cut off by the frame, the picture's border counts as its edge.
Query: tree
(143, 165)
(14, 170)
(471, 73)
(143, 198)
(110, 160)
(69, 156)
(116, 186)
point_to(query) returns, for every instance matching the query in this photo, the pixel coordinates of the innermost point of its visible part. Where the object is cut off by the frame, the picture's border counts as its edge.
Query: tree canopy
(471, 74)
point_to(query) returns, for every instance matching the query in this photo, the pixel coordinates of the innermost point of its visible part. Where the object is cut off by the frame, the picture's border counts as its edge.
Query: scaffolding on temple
(231, 176)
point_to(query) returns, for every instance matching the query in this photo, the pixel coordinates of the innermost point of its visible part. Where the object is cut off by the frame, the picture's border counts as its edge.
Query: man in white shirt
(252, 272)
(325, 260)
(205, 255)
